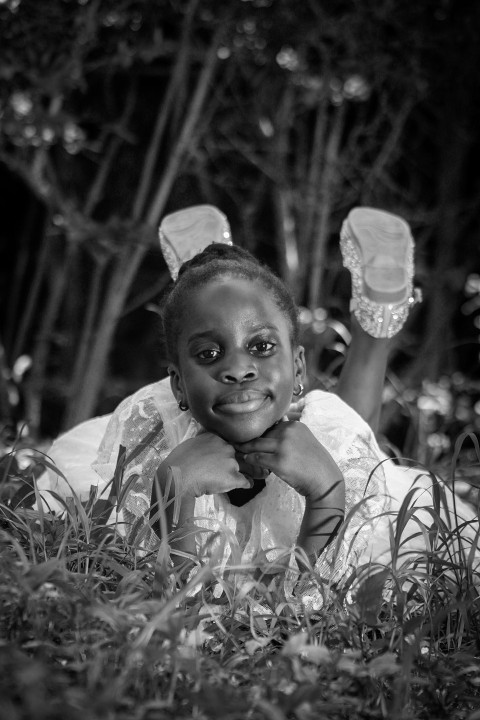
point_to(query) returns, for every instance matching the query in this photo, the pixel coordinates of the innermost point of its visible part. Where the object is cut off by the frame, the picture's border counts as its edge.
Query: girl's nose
(238, 368)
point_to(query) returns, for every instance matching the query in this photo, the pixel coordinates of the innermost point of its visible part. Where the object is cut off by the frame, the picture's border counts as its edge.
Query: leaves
(86, 618)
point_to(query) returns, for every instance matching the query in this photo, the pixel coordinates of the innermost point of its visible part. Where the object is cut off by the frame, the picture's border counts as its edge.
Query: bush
(90, 629)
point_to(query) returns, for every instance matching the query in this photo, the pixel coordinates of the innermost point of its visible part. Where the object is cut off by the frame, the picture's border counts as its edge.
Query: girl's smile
(238, 402)
(237, 367)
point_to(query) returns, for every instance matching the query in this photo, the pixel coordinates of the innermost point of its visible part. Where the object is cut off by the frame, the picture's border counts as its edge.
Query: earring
(182, 406)
(298, 391)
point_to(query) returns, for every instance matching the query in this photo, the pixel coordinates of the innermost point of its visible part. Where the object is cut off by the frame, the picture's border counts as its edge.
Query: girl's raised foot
(185, 233)
(377, 248)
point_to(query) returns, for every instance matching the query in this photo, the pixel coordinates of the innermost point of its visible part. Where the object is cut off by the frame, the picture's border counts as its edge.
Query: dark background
(283, 114)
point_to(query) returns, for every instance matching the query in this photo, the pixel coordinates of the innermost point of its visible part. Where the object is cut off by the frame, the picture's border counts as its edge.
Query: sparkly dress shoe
(187, 232)
(377, 249)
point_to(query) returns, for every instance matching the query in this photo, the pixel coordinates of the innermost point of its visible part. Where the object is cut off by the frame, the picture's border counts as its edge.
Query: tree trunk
(387, 151)
(36, 386)
(19, 275)
(446, 278)
(327, 190)
(284, 230)
(309, 209)
(84, 344)
(82, 405)
(186, 140)
(41, 268)
(285, 235)
(5, 405)
(164, 110)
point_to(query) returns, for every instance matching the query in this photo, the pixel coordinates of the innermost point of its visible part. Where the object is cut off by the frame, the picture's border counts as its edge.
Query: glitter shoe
(187, 232)
(377, 249)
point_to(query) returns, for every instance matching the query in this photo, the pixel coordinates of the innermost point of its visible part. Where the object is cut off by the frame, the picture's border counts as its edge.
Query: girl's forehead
(232, 288)
(230, 299)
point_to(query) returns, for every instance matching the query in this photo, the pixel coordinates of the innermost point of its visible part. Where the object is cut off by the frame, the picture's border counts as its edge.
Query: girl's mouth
(241, 401)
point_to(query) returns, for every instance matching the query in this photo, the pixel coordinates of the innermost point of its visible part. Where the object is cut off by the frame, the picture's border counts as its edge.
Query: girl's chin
(245, 434)
(240, 438)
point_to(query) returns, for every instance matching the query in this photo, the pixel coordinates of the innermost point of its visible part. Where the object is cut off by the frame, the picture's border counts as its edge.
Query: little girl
(216, 434)
(219, 422)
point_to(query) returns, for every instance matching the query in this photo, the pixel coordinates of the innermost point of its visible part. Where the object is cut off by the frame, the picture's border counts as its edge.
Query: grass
(91, 630)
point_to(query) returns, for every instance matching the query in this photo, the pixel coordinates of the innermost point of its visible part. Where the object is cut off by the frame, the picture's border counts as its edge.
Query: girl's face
(237, 368)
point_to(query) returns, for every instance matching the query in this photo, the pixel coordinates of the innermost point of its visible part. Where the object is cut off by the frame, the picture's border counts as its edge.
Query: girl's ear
(176, 383)
(300, 364)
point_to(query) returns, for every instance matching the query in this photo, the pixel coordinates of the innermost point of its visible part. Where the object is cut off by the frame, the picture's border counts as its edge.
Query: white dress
(149, 425)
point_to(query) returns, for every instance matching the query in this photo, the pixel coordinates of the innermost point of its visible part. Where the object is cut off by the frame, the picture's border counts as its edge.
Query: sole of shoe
(383, 244)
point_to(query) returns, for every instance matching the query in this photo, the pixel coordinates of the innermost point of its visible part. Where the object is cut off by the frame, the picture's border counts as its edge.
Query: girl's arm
(324, 512)
(203, 465)
(294, 454)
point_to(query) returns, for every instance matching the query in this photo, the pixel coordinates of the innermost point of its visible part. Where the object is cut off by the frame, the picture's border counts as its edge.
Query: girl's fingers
(242, 483)
(294, 414)
(264, 460)
(260, 473)
(295, 410)
(250, 471)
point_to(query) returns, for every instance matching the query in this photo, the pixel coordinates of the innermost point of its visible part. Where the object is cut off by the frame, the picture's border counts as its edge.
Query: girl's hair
(219, 260)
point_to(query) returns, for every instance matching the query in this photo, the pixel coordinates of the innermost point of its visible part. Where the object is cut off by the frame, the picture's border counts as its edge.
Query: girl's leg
(363, 374)
(377, 248)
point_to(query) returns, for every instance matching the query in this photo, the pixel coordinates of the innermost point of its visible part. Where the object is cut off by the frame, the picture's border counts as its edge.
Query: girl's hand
(207, 466)
(251, 472)
(295, 455)
(292, 452)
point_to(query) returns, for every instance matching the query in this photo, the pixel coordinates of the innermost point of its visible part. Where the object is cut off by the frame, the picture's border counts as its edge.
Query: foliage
(283, 114)
(91, 629)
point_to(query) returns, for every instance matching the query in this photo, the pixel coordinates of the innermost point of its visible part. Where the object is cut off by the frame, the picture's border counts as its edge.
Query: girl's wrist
(320, 490)
(180, 487)
(172, 481)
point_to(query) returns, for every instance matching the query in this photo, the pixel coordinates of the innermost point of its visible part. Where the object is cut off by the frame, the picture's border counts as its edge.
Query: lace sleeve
(140, 435)
(352, 445)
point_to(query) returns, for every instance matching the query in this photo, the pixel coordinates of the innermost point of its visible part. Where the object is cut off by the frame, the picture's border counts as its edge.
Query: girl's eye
(264, 347)
(209, 354)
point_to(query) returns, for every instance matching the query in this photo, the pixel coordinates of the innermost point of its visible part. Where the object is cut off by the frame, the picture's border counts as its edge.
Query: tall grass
(92, 629)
